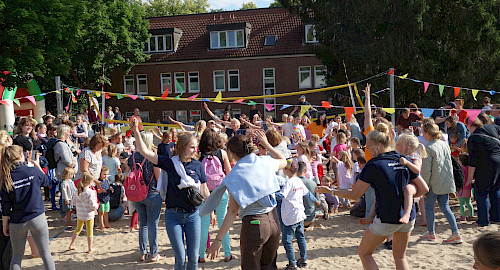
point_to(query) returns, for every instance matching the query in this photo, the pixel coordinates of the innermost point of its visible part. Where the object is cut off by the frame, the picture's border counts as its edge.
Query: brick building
(241, 53)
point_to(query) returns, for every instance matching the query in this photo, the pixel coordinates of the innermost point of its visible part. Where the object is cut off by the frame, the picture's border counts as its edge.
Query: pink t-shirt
(309, 172)
(338, 148)
(466, 191)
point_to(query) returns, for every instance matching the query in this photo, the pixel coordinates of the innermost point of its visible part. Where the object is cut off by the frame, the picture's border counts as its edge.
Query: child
(484, 255)
(455, 151)
(86, 205)
(355, 144)
(341, 144)
(465, 194)
(344, 167)
(68, 191)
(331, 200)
(112, 161)
(305, 156)
(103, 193)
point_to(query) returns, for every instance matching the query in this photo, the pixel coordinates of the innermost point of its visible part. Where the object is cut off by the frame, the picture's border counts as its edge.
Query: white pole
(350, 88)
(58, 96)
(103, 98)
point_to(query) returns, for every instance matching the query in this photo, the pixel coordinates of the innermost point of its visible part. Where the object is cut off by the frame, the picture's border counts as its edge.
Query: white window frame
(155, 37)
(175, 81)
(139, 92)
(195, 116)
(218, 34)
(307, 28)
(177, 113)
(163, 85)
(223, 75)
(229, 79)
(310, 77)
(128, 78)
(319, 69)
(264, 80)
(167, 113)
(197, 76)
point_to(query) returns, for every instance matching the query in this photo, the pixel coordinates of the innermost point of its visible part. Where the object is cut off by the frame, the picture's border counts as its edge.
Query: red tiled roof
(194, 43)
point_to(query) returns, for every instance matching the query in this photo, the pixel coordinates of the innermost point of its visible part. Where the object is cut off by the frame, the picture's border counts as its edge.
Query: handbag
(192, 195)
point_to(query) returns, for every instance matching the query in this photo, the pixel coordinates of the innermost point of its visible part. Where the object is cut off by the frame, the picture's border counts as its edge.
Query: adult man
(405, 119)
(302, 102)
(137, 112)
(440, 115)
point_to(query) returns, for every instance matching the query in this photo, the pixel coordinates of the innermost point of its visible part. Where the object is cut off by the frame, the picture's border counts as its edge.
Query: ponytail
(422, 151)
(9, 156)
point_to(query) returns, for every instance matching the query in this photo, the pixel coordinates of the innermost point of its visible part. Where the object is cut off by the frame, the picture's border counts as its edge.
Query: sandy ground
(330, 246)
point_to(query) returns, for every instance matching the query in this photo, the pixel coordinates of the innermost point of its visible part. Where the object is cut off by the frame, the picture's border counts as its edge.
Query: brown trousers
(259, 241)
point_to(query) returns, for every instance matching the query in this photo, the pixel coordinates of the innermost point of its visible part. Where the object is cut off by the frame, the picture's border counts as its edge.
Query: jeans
(287, 234)
(182, 225)
(430, 201)
(149, 211)
(220, 211)
(484, 203)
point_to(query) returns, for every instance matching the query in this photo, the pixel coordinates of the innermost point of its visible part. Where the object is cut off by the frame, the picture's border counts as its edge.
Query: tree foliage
(452, 42)
(249, 5)
(156, 8)
(275, 3)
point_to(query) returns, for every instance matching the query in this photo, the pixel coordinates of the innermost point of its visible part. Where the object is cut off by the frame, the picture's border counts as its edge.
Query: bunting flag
(4, 102)
(349, 111)
(269, 107)
(326, 104)
(427, 112)
(73, 98)
(134, 97)
(152, 98)
(178, 96)
(178, 87)
(285, 106)
(141, 97)
(119, 96)
(57, 91)
(165, 93)
(391, 71)
(67, 108)
(32, 99)
(78, 92)
(98, 94)
(17, 102)
(492, 92)
(67, 90)
(456, 91)
(239, 100)
(205, 99)
(107, 96)
(218, 98)
(441, 89)
(193, 97)
(404, 76)
(472, 115)
(389, 110)
(426, 86)
(304, 109)
(474, 93)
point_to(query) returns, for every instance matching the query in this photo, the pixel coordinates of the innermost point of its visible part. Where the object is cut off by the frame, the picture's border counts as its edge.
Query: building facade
(239, 53)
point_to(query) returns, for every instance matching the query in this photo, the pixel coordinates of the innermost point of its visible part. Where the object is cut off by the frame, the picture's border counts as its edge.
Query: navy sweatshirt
(25, 201)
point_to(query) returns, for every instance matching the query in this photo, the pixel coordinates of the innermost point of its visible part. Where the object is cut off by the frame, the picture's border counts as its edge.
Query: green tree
(249, 5)
(156, 8)
(276, 3)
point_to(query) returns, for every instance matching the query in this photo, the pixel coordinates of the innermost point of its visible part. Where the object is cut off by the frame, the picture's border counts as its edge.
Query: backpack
(213, 170)
(135, 187)
(49, 153)
(115, 198)
(458, 174)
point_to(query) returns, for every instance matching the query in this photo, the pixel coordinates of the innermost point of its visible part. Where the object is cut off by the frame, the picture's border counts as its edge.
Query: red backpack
(135, 187)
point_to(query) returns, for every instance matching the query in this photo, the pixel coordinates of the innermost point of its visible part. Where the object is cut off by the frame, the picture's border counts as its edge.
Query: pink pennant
(269, 107)
(4, 102)
(193, 97)
(472, 115)
(66, 108)
(134, 97)
(32, 99)
(239, 100)
(426, 85)
(78, 92)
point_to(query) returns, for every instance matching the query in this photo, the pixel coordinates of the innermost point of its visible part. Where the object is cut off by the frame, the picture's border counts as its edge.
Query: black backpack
(115, 199)
(458, 174)
(49, 153)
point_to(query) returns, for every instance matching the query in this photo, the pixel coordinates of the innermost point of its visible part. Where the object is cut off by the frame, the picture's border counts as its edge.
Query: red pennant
(4, 102)
(165, 94)
(239, 100)
(391, 71)
(107, 96)
(456, 91)
(326, 104)
(349, 111)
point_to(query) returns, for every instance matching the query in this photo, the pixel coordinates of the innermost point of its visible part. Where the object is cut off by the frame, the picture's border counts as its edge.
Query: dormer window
(270, 41)
(229, 36)
(163, 40)
(310, 33)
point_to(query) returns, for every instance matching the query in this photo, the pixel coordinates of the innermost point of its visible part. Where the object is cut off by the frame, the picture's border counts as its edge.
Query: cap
(124, 155)
(374, 107)
(301, 97)
(452, 104)
(292, 164)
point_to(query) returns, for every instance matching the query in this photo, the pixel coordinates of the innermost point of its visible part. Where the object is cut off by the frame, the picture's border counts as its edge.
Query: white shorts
(386, 229)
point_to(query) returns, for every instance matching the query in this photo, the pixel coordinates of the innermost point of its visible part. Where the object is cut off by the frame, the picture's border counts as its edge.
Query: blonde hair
(182, 143)
(147, 137)
(87, 179)
(112, 150)
(61, 130)
(381, 136)
(315, 138)
(306, 149)
(411, 144)
(341, 138)
(4, 138)
(346, 158)
(10, 155)
(432, 130)
(202, 125)
(68, 173)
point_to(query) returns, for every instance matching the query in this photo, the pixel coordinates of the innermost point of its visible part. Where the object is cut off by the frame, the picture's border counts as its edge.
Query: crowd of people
(205, 174)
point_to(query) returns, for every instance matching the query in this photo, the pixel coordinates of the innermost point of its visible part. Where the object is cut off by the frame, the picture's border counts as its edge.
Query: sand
(331, 246)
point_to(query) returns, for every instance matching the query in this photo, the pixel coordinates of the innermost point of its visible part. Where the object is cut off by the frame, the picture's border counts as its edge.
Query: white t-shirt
(309, 172)
(345, 176)
(287, 129)
(301, 131)
(292, 208)
(332, 124)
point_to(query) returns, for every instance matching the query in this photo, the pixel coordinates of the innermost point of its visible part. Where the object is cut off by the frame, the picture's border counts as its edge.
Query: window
(236, 113)
(194, 82)
(159, 43)
(166, 82)
(195, 114)
(128, 84)
(142, 84)
(219, 112)
(219, 81)
(227, 39)
(180, 82)
(233, 80)
(310, 33)
(269, 83)
(166, 114)
(182, 116)
(143, 114)
(270, 41)
(319, 76)
(305, 77)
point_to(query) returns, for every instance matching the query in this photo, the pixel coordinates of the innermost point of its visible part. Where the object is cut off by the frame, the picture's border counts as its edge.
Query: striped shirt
(86, 204)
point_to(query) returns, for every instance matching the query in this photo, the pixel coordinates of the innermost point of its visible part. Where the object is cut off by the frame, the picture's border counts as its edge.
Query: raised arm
(140, 145)
(368, 112)
(205, 105)
(181, 125)
(275, 154)
(249, 124)
(155, 134)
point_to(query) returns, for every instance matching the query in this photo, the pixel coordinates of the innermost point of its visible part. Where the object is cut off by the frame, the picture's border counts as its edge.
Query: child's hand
(403, 161)
(323, 189)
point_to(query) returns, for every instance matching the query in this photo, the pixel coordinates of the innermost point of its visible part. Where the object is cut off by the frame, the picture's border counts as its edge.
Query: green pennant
(177, 97)
(179, 87)
(251, 102)
(441, 89)
(119, 96)
(17, 102)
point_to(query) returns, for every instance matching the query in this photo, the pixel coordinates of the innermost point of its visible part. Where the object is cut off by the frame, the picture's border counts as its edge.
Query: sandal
(157, 258)
(231, 257)
(144, 257)
(201, 260)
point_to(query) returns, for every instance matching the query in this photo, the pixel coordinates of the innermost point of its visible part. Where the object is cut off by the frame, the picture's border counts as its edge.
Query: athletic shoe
(428, 237)
(453, 239)
(291, 267)
(301, 263)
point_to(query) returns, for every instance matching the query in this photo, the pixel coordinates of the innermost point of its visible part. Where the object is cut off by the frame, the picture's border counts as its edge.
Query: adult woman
(62, 151)
(319, 126)
(389, 179)
(90, 159)
(41, 132)
(355, 128)
(24, 136)
(148, 209)
(484, 166)
(437, 172)
(181, 217)
(459, 111)
(211, 146)
(252, 192)
(22, 205)
(453, 126)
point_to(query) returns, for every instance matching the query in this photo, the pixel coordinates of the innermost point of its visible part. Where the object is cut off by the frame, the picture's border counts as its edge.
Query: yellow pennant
(152, 98)
(474, 93)
(304, 109)
(404, 76)
(218, 98)
(389, 110)
(97, 94)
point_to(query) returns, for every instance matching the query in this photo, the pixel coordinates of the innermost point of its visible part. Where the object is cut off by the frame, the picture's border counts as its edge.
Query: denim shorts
(386, 229)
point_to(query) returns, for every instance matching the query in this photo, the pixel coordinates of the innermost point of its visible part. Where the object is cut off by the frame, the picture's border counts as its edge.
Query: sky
(236, 4)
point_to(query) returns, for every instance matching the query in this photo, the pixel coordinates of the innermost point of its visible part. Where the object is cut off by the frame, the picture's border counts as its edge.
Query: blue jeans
(484, 214)
(149, 211)
(430, 201)
(178, 225)
(220, 211)
(287, 234)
